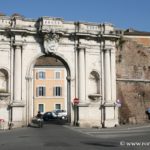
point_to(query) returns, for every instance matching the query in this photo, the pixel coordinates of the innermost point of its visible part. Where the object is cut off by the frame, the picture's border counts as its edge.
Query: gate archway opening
(51, 85)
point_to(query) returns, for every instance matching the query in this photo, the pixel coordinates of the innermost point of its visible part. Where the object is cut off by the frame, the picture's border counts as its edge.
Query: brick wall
(133, 78)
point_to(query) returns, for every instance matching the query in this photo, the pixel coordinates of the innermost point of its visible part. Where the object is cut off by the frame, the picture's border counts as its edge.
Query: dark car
(49, 116)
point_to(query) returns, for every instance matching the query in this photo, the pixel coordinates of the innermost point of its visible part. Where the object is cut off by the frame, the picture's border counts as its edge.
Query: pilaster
(110, 116)
(17, 72)
(113, 74)
(81, 74)
(107, 75)
(17, 105)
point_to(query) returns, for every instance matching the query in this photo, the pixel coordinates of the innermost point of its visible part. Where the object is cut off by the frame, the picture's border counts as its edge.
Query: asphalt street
(64, 137)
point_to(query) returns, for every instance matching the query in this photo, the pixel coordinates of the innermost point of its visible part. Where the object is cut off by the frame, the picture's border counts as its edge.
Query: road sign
(76, 101)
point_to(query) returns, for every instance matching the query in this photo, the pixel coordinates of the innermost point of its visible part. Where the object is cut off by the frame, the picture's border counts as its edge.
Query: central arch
(30, 82)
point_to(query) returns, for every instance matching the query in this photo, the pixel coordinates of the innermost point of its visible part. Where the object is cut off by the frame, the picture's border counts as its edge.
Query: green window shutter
(37, 75)
(37, 92)
(44, 91)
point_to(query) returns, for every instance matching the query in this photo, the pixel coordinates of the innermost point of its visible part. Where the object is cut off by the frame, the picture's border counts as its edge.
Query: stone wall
(133, 78)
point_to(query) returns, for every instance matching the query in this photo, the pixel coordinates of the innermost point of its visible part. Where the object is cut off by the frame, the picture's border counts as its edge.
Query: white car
(60, 113)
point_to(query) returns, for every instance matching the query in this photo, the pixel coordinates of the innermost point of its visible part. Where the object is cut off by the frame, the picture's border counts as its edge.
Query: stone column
(81, 74)
(17, 74)
(17, 105)
(113, 83)
(113, 74)
(107, 75)
(83, 105)
(76, 73)
(11, 71)
(29, 103)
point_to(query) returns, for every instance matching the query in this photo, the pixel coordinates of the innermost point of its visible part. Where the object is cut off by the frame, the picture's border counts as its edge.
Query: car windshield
(47, 113)
(59, 111)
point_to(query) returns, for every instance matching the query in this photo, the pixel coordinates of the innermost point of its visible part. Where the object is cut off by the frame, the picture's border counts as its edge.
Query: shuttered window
(57, 91)
(57, 106)
(41, 107)
(57, 75)
(40, 75)
(41, 91)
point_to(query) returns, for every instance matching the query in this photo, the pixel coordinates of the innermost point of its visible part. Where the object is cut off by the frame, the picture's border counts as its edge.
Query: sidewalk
(119, 127)
(132, 126)
(121, 131)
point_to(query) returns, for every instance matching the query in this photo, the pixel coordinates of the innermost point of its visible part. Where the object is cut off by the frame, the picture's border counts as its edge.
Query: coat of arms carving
(51, 42)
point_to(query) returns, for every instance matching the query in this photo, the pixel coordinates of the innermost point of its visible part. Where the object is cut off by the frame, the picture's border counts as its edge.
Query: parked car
(49, 116)
(56, 114)
(60, 113)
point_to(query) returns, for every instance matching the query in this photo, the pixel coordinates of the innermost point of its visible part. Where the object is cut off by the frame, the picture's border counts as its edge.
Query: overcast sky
(122, 13)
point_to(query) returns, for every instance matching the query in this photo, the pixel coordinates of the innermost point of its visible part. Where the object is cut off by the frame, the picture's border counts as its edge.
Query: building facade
(86, 50)
(49, 89)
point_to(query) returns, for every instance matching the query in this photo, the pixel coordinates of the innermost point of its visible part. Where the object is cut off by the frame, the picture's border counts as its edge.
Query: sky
(123, 14)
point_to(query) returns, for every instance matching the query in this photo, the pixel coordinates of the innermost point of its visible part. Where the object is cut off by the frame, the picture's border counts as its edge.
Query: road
(63, 137)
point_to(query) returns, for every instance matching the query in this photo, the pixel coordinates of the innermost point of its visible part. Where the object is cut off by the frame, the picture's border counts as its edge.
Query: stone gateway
(87, 51)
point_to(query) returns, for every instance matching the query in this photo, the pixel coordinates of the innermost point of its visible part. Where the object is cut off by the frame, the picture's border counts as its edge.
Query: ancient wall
(133, 78)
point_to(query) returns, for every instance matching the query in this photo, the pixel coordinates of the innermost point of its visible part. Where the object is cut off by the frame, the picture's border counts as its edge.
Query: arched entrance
(49, 86)
(81, 47)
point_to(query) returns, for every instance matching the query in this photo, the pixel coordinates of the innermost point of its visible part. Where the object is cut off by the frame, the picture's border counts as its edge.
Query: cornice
(44, 25)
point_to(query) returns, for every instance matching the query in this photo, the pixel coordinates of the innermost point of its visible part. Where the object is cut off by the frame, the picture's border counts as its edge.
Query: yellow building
(49, 89)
